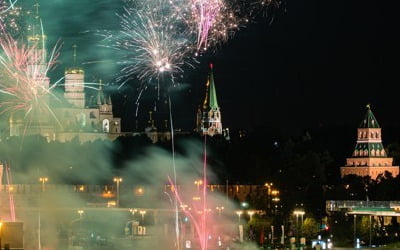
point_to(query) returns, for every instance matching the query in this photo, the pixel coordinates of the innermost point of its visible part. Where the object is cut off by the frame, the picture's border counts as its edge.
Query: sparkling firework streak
(206, 14)
(156, 46)
(24, 86)
(4, 8)
(211, 21)
(10, 18)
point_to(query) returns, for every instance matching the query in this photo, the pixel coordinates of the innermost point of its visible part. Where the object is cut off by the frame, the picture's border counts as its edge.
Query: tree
(309, 229)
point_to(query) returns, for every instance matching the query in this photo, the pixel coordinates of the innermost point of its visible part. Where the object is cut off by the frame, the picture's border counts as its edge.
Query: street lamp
(297, 213)
(219, 209)
(198, 183)
(142, 213)
(117, 180)
(250, 213)
(80, 212)
(269, 187)
(133, 211)
(43, 180)
(239, 213)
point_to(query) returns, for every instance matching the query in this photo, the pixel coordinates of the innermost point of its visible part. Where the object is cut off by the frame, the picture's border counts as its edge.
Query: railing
(333, 205)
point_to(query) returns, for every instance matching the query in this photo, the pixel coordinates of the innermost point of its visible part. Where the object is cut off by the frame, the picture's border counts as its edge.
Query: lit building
(369, 156)
(209, 116)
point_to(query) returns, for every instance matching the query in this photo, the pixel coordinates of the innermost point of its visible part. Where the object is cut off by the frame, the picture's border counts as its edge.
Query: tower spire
(74, 55)
(37, 5)
(210, 115)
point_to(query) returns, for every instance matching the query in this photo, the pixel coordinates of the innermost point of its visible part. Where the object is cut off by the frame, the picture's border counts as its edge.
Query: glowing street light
(43, 180)
(239, 213)
(297, 213)
(219, 209)
(117, 180)
(80, 212)
(133, 211)
(198, 183)
(196, 198)
(250, 213)
(269, 187)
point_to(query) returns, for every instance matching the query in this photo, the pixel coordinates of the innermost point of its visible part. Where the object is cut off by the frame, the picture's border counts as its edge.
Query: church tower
(369, 156)
(209, 116)
(37, 66)
(35, 74)
(74, 85)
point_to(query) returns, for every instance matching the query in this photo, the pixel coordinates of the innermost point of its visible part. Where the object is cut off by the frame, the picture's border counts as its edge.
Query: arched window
(373, 152)
(106, 126)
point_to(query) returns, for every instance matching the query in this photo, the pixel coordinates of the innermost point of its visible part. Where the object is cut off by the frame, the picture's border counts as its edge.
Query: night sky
(309, 64)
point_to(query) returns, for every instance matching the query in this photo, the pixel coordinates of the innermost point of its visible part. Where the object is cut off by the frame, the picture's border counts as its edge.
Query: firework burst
(10, 18)
(155, 46)
(24, 86)
(4, 7)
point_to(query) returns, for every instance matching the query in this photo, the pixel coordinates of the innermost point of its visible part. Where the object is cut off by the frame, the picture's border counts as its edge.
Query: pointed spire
(37, 5)
(369, 120)
(37, 37)
(210, 100)
(100, 94)
(74, 55)
(74, 69)
(213, 92)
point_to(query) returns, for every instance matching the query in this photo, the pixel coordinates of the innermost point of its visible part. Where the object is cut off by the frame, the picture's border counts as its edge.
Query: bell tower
(75, 84)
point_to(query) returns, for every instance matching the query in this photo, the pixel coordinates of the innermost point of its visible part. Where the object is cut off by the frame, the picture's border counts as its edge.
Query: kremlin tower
(369, 156)
(209, 117)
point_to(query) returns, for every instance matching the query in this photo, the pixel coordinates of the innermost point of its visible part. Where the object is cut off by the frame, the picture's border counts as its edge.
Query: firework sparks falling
(10, 18)
(206, 14)
(155, 46)
(4, 7)
(24, 86)
(211, 21)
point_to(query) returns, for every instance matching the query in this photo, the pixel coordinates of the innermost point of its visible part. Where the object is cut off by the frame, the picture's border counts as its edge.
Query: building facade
(369, 157)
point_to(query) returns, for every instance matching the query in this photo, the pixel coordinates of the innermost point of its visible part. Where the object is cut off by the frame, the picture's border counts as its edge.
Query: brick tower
(369, 156)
